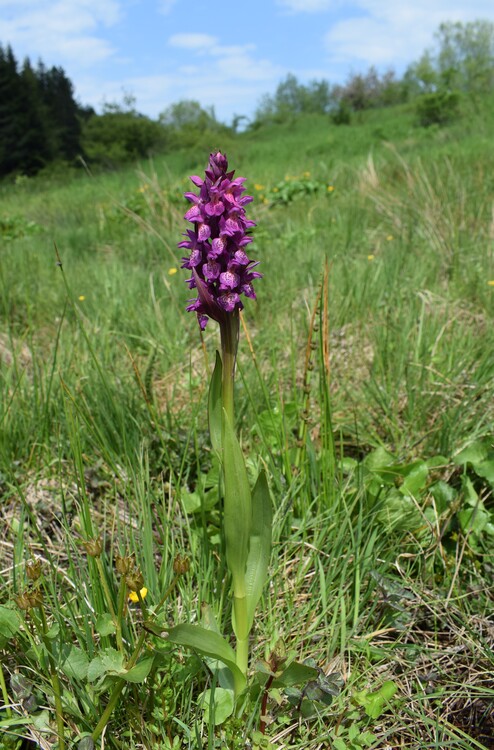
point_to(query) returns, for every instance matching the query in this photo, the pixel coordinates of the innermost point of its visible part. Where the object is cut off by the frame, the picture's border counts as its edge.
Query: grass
(368, 399)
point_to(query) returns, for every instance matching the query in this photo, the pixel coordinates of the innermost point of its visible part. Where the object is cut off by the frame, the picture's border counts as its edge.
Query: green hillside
(366, 393)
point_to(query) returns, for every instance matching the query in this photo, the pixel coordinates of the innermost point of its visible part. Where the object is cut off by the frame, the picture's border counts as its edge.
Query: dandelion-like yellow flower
(390, 237)
(81, 298)
(330, 188)
(258, 186)
(491, 282)
(371, 257)
(172, 271)
(134, 597)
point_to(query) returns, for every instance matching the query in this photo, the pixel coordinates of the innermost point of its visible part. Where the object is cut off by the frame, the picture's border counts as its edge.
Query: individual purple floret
(221, 269)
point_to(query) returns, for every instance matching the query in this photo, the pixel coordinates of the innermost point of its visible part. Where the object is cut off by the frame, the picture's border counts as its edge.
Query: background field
(374, 419)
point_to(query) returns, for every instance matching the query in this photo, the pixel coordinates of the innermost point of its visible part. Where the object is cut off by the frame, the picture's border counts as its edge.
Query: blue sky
(220, 53)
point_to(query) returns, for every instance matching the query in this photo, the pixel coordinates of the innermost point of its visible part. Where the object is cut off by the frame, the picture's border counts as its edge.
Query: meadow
(364, 385)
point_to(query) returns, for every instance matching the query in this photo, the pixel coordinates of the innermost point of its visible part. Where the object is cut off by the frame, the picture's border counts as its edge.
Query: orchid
(221, 273)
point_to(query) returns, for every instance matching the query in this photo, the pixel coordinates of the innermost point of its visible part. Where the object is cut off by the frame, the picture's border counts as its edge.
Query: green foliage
(39, 118)
(438, 108)
(120, 135)
(15, 227)
(292, 99)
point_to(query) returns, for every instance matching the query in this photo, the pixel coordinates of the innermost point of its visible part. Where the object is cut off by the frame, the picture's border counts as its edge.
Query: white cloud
(395, 34)
(233, 79)
(192, 41)
(306, 6)
(59, 31)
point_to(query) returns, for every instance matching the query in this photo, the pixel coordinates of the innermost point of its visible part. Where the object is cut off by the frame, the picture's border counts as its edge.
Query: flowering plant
(221, 273)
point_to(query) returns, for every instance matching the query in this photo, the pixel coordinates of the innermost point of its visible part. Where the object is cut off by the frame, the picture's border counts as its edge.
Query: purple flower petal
(221, 269)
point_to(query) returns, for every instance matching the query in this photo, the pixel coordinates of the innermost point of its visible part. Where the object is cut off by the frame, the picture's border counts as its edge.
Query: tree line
(42, 123)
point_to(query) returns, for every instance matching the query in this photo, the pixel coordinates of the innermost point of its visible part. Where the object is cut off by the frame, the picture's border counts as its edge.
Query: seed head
(181, 565)
(93, 547)
(33, 569)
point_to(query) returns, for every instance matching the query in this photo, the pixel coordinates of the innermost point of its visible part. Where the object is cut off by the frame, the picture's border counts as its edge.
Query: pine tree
(10, 109)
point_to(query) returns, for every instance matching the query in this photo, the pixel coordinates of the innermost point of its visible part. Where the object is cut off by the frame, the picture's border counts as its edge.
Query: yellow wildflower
(330, 188)
(491, 282)
(135, 598)
(306, 174)
(81, 298)
(390, 237)
(172, 271)
(257, 186)
(371, 257)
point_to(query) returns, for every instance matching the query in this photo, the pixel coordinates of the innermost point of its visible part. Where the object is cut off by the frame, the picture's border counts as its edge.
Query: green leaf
(223, 673)
(140, 671)
(474, 520)
(296, 674)
(221, 707)
(259, 545)
(237, 515)
(486, 470)
(105, 625)
(215, 412)
(10, 624)
(207, 643)
(414, 478)
(75, 664)
(473, 454)
(109, 662)
(53, 631)
(443, 494)
(376, 703)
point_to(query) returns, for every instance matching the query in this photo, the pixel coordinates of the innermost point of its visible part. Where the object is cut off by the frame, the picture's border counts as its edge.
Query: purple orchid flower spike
(221, 269)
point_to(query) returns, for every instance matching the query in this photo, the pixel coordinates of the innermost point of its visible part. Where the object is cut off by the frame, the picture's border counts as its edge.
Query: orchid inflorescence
(221, 269)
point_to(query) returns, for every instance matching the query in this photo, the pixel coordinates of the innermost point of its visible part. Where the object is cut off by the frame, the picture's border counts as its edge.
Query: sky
(218, 52)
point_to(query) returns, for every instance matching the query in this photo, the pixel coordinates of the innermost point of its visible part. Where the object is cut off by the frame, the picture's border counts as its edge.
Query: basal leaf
(259, 545)
(237, 516)
(140, 671)
(75, 663)
(207, 643)
(296, 674)
(10, 623)
(218, 705)
(215, 411)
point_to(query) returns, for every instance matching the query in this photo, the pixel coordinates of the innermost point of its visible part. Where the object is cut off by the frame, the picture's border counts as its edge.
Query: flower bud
(33, 569)
(124, 564)
(181, 565)
(134, 580)
(93, 547)
(29, 599)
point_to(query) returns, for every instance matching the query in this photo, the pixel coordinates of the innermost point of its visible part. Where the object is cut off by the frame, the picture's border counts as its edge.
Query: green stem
(106, 590)
(166, 594)
(5, 695)
(119, 686)
(55, 681)
(120, 613)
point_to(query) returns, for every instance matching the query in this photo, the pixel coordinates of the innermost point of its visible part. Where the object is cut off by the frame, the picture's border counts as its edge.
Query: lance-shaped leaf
(237, 516)
(208, 643)
(259, 545)
(214, 405)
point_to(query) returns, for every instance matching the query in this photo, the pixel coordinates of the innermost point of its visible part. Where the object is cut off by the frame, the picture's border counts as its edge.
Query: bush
(438, 108)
